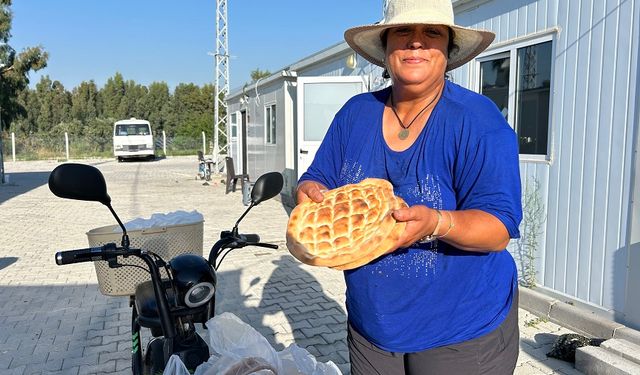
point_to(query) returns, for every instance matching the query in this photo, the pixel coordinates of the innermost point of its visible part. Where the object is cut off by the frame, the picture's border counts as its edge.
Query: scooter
(169, 307)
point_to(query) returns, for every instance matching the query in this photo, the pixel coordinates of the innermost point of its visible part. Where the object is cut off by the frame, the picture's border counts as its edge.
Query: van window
(132, 129)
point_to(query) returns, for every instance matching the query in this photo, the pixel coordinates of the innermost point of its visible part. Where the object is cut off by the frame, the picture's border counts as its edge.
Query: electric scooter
(170, 307)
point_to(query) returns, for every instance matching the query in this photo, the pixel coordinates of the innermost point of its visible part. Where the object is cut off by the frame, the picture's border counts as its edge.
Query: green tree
(14, 69)
(55, 104)
(111, 96)
(84, 102)
(258, 74)
(155, 106)
(130, 105)
(100, 131)
(27, 123)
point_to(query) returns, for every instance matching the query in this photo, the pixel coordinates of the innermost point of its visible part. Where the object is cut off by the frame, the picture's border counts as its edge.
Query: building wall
(586, 183)
(261, 157)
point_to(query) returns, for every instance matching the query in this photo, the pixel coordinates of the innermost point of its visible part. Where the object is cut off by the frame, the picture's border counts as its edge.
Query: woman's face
(417, 54)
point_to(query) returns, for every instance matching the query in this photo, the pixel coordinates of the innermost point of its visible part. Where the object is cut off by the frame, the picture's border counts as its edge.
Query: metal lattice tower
(222, 81)
(530, 74)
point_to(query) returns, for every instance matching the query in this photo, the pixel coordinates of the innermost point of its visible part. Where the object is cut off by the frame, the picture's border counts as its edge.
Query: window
(270, 124)
(521, 90)
(234, 125)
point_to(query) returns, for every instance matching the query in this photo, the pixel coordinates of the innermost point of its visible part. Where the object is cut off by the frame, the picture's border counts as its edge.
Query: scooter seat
(146, 303)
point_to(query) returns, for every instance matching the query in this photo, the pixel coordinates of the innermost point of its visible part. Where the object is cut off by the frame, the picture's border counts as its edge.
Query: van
(133, 139)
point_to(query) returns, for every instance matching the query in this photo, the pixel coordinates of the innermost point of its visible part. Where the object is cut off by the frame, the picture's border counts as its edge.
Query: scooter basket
(166, 241)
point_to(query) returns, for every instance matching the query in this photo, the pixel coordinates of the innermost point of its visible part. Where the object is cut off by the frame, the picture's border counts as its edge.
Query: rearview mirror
(266, 187)
(79, 181)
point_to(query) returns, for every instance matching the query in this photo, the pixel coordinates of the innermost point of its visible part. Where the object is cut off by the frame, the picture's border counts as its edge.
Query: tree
(111, 95)
(258, 74)
(84, 102)
(130, 105)
(55, 104)
(155, 105)
(13, 74)
(14, 69)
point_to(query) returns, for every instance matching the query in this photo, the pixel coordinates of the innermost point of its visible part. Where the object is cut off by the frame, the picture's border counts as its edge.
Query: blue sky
(161, 40)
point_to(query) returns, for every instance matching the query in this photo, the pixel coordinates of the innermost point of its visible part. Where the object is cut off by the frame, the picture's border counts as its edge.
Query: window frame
(270, 111)
(510, 48)
(233, 124)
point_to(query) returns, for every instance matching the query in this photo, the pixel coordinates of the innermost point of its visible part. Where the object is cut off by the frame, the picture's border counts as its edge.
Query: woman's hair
(451, 46)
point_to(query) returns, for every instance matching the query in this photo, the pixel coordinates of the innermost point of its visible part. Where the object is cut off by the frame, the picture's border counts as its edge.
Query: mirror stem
(235, 227)
(125, 237)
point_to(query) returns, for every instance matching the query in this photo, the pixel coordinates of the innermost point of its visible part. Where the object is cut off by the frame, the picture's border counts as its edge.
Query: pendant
(403, 134)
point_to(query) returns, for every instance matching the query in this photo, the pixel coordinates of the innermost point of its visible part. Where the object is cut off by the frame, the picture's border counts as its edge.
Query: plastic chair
(232, 177)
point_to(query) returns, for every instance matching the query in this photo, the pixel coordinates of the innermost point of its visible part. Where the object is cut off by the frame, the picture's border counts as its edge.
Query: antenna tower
(222, 82)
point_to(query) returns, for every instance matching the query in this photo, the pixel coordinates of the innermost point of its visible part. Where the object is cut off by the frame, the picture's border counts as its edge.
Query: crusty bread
(352, 225)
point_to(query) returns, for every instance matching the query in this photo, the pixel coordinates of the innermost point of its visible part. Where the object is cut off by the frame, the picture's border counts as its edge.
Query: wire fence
(69, 146)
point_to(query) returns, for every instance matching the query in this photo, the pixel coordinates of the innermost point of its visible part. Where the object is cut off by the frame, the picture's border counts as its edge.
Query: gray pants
(495, 353)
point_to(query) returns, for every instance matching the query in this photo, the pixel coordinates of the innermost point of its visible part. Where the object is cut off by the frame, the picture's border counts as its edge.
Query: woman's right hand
(310, 190)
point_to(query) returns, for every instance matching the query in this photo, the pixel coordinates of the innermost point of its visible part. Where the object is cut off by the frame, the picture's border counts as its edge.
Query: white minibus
(133, 139)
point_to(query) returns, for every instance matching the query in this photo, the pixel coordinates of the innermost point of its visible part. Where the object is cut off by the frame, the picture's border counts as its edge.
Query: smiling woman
(451, 156)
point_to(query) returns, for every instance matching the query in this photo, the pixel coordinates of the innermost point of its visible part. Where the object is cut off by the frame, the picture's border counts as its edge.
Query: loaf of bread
(352, 225)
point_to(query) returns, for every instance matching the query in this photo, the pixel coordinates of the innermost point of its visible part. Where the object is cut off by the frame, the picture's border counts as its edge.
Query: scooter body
(171, 307)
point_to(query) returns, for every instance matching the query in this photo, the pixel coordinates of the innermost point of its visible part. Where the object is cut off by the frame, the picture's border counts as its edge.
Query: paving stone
(60, 311)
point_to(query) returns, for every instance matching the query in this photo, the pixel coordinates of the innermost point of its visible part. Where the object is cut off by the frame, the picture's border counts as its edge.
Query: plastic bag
(298, 361)
(241, 350)
(175, 367)
(231, 337)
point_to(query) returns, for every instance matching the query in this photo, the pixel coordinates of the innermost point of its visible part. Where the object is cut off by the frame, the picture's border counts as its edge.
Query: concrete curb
(575, 318)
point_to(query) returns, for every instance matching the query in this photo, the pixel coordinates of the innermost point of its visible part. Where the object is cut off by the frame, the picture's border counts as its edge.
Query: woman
(445, 301)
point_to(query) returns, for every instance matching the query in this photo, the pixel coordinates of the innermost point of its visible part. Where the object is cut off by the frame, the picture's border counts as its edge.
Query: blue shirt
(466, 157)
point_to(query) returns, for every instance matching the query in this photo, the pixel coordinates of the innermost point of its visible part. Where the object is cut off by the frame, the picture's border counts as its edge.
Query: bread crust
(352, 225)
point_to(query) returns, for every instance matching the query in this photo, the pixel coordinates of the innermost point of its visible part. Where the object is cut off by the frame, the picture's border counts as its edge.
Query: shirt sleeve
(489, 178)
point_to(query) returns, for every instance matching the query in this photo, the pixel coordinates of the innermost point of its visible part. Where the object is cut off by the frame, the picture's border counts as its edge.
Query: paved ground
(54, 320)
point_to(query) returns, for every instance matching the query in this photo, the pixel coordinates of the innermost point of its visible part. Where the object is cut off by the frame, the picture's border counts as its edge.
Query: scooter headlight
(194, 279)
(199, 294)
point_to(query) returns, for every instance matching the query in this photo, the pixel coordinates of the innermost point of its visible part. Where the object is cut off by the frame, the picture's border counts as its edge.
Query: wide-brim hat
(365, 40)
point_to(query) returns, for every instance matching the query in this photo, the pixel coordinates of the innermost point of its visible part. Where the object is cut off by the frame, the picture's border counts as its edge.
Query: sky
(160, 40)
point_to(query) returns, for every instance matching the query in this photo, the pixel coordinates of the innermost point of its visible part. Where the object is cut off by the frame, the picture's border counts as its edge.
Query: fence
(69, 146)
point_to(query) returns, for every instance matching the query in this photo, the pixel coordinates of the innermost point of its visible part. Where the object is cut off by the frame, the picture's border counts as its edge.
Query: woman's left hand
(421, 221)
(471, 230)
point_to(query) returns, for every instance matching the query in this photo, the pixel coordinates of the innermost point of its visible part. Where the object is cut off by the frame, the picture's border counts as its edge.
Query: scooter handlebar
(254, 240)
(86, 255)
(250, 238)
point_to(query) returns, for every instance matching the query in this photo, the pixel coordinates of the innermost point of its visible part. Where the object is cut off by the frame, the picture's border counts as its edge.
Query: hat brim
(365, 40)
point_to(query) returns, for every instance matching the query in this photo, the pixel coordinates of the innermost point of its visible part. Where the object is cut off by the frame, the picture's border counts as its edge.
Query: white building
(565, 74)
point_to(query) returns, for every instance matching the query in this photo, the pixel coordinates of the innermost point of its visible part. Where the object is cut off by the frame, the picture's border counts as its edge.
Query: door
(318, 101)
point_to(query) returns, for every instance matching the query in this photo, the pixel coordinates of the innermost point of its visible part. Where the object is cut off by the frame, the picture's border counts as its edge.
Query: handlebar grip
(83, 255)
(268, 245)
(251, 238)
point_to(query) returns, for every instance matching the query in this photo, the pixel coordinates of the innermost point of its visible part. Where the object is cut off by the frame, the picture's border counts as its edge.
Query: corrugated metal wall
(586, 185)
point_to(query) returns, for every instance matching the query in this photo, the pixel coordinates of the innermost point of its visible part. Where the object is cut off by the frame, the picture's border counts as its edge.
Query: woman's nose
(415, 43)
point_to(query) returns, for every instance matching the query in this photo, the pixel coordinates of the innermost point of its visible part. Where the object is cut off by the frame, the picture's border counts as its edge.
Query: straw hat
(365, 40)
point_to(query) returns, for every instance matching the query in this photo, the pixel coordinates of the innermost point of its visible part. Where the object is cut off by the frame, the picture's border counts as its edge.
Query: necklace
(404, 133)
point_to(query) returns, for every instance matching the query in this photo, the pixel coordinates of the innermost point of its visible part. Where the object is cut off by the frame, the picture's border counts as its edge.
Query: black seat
(232, 177)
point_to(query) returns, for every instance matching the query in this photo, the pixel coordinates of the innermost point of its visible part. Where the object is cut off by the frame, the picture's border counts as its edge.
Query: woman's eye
(403, 31)
(433, 32)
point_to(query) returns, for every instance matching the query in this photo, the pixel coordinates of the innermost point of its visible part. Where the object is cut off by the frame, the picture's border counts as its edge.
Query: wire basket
(167, 241)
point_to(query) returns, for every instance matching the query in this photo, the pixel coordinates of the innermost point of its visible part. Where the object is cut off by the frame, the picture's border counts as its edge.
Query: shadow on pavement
(316, 321)
(22, 182)
(7, 261)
